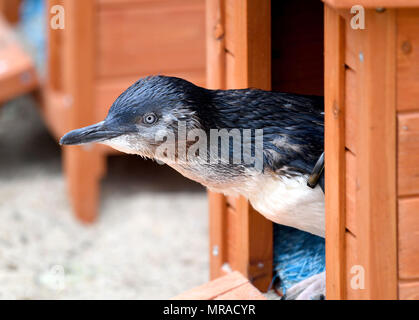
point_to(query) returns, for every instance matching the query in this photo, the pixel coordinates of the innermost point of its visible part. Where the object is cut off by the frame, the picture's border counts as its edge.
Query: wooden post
(334, 153)
(239, 56)
(83, 165)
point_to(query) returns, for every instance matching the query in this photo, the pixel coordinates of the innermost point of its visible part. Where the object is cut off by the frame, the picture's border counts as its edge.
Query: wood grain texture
(409, 290)
(334, 153)
(244, 292)
(376, 157)
(373, 3)
(352, 110)
(233, 286)
(161, 37)
(408, 235)
(351, 191)
(408, 59)
(352, 249)
(84, 166)
(408, 154)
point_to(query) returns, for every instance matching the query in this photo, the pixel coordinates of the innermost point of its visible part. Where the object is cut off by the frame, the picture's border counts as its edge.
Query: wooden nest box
(371, 85)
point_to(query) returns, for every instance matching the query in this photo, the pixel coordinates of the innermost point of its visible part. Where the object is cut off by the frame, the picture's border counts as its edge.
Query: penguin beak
(95, 133)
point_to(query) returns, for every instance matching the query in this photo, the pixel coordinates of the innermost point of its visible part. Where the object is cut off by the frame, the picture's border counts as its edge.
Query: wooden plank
(252, 68)
(408, 234)
(376, 157)
(408, 59)
(351, 190)
(17, 71)
(334, 153)
(55, 55)
(161, 37)
(244, 292)
(83, 166)
(409, 290)
(217, 234)
(215, 41)
(373, 3)
(353, 41)
(408, 154)
(214, 288)
(352, 249)
(352, 110)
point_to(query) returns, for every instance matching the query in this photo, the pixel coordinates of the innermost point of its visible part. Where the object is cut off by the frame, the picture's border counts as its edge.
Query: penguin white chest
(289, 201)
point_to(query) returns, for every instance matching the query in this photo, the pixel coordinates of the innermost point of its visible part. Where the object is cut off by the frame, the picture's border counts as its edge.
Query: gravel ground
(151, 240)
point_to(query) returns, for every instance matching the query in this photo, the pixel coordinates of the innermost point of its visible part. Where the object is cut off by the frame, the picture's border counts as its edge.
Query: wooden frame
(238, 56)
(371, 147)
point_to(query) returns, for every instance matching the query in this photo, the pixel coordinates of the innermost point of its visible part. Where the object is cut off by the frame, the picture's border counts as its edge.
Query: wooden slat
(151, 38)
(408, 154)
(217, 234)
(244, 292)
(408, 59)
(408, 234)
(376, 157)
(351, 190)
(373, 3)
(409, 290)
(83, 166)
(334, 153)
(353, 40)
(352, 110)
(215, 41)
(215, 288)
(352, 249)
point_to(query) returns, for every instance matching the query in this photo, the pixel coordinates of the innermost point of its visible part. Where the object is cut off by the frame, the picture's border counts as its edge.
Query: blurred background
(90, 222)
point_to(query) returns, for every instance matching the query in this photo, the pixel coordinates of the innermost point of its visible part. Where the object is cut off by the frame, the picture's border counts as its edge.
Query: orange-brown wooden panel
(10, 9)
(233, 286)
(408, 234)
(229, 26)
(334, 76)
(233, 239)
(17, 72)
(351, 218)
(151, 37)
(408, 154)
(409, 290)
(351, 109)
(347, 4)
(408, 59)
(244, 292)
(353, 42)
(352, 248)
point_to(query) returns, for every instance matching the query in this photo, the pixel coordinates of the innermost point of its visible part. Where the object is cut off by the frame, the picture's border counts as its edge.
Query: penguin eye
(149, 118)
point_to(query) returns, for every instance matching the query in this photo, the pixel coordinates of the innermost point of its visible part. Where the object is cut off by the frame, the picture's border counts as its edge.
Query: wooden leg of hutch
(83, 169)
